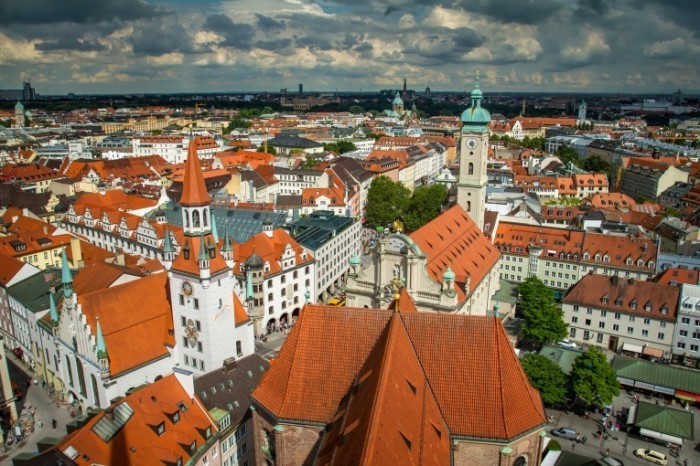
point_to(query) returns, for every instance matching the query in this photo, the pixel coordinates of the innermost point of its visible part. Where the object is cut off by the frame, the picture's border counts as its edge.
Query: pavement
(620, 444)
(46, 410)
(269, 349)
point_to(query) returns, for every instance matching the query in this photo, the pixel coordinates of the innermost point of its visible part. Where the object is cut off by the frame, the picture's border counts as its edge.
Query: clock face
(395, 244)
(471, 143)
(187, 288)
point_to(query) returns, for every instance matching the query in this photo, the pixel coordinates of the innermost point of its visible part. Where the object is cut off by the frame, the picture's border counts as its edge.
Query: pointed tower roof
(194, 191)
(101, 346)
(54, 312)
(66, 276)
(227, 241)
(167, 242)
(214, 233)
(202, 249)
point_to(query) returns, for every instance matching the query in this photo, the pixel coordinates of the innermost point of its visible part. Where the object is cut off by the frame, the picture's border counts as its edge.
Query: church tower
(207, 329)
(582, 112)
(471, 185)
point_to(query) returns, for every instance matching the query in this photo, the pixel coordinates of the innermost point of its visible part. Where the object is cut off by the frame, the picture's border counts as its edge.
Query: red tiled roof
(634, 297)
(453, 239)
(194, 191)
(677, 276)
(480, 389)
(138, 442)
(190, 264)
(135, 319)
(9, 266)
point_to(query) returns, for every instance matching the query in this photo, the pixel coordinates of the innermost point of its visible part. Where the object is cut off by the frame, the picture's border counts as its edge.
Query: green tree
(593, 380)
(309, 164)
(386, 201)
(374, 135)
(425, 204)
(547, 377)
(340, 147)
(566, 154)
(270, 149)
(596, 164)
(356, 109)
(543, 321)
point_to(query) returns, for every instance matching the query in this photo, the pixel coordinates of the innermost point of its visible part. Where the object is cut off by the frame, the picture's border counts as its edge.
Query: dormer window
(633, 305)
(640, 263)
(664, 310)
(628, 261)
(606, 258)
(647, 307)
(597, 257)
(193, 447)
(586, 256)
(176, 417)
(618, 302)
(160, 430)
(651, 264)
(605, 299)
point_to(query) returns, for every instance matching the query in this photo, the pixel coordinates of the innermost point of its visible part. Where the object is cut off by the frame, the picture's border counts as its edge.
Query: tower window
(195, 219)
(471, 168)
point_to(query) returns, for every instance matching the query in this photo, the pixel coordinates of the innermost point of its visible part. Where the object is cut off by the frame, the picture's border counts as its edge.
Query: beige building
(622, 314)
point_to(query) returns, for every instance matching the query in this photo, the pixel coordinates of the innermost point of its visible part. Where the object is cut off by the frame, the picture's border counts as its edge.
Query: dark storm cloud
(508, 11)
(466, 40)
(161, 36)
(73, 11)
(313, 42)
(268, 24)
(275, 44)
(598, 7)
(684, 13)
(236, 35)
(79, 45)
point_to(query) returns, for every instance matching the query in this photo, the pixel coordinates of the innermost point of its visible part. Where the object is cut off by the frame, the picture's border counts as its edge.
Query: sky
(139, 46)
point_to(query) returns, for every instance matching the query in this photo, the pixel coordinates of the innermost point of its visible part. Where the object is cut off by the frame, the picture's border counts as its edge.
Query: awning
(665, 390)
(643, 385)
(632, 415)
(649, 351)
(625, 381)
(687, 396)
(660, 436)
(632, 348)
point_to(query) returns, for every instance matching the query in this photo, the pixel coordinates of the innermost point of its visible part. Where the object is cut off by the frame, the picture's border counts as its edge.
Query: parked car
(609, 461)
(566, 343)
(651, 455)
(568, 433)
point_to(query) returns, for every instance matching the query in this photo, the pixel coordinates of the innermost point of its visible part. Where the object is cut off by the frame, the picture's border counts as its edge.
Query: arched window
(204, 217)
(195, 219)
(81, 377)
(471, 168)
(187, 219)
(469, 206)
(520, 461)
(95, 391)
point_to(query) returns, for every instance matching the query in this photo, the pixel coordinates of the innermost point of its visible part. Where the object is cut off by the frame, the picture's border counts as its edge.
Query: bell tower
(471, 185)
(207, 329)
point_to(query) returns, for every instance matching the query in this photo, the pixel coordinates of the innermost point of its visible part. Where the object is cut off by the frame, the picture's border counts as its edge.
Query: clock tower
(471, 185)
(210, 324)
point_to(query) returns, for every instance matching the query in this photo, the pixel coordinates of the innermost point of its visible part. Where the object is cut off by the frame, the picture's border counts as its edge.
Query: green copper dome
(397, 99)
(355, 260)
(449, 274)
(476, 114)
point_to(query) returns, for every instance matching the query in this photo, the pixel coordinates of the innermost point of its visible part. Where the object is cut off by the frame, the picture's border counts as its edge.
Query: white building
(686, 339)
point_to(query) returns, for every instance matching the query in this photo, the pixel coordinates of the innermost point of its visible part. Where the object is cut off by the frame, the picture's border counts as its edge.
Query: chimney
(77, 253)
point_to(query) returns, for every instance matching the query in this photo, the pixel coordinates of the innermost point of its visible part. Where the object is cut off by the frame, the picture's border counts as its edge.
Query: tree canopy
(425, 204)
(547, 377)
(593, 380)
(340, 147)
(543, 321)
(270, 149)
(566, 154)
(386, 201)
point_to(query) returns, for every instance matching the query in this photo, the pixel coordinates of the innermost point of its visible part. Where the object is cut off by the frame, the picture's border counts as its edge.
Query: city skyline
(133, 46)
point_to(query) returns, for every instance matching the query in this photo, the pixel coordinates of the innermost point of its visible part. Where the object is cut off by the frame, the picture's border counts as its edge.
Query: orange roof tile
(132, 338)
(677, 276)
(240, 315)
(189, 262)
(137, 441)
(194, 191)
(453, 239)
(9, 266)
(481, 389)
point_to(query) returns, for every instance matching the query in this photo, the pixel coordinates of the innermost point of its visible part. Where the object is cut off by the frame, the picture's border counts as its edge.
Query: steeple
(101, 347)
(194, 191)
(214, 233)
(66, 276)
(54, 312)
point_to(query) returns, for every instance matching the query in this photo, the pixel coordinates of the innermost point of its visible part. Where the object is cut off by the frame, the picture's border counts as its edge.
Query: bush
(554, 445)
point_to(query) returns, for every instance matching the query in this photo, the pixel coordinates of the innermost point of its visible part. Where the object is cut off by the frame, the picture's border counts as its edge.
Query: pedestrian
(43, 384)
(685, 462)
(584, 440)
(573, 446)
(607, 452)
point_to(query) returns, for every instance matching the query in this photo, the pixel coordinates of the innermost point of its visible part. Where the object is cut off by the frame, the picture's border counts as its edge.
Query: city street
(46, 410)
(620, 444)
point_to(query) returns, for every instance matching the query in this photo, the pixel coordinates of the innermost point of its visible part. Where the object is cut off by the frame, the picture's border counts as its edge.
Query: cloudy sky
(123, 46)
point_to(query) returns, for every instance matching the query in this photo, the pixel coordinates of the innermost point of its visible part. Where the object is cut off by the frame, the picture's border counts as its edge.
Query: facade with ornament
(98, 344)
(448, 265)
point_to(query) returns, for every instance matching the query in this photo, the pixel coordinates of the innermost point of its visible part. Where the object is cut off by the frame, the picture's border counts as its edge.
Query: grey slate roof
(294, 142)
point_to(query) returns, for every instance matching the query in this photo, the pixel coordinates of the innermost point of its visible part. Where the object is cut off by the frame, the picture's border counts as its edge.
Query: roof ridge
(501, 391)
(297, 326)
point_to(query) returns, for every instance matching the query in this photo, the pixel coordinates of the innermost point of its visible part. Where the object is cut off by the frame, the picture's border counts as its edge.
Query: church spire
(54, 312)
(101, 347)
(66, 276)
(194, 191)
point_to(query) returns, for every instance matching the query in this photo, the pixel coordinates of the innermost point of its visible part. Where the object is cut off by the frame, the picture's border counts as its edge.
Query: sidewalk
(269, 349)
(46, 411)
